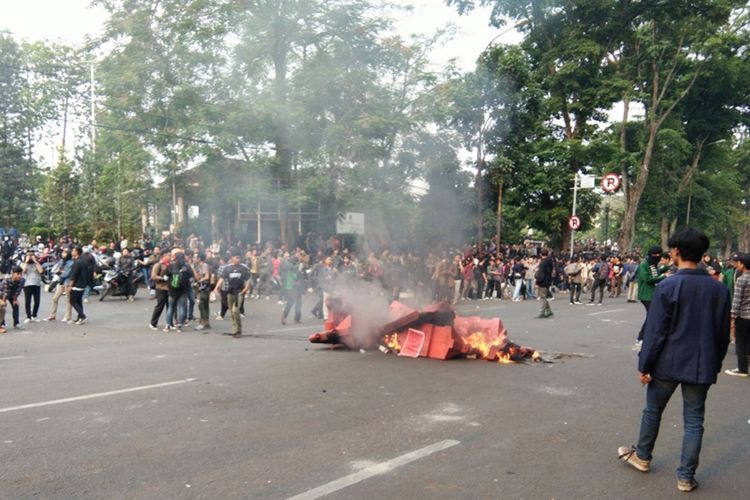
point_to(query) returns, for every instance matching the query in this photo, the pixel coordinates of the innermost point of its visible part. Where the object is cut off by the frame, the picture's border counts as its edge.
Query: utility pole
(93, 107)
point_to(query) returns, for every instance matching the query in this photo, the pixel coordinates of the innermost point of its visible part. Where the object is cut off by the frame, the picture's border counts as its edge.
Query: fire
(391, 341)
(479, 342)
(497, 348)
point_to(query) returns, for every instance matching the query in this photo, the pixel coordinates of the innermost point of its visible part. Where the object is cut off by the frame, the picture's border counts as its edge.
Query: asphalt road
(112, 409)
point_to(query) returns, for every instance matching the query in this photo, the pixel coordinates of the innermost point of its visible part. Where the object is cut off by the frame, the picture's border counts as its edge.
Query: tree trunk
(664, 231)
(282, 165)
(743, 241)
(634, 196)
(623, 148)
(727, 251)
(499, 220)
(480, 195)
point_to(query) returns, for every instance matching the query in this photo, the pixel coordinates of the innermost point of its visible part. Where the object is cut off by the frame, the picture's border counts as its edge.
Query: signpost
(584, 182)
(350, 223)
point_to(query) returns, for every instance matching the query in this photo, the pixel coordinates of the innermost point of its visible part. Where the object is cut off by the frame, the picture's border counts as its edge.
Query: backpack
(603, 272)
(178, 280)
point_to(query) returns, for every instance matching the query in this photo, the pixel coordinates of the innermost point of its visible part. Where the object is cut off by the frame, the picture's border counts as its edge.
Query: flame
(499, 348)
(480, 343)
(391, 341)
(504, 358)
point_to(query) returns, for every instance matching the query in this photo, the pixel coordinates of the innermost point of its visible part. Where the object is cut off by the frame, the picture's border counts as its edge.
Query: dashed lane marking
(375, 470)
(96, 395)
(606, 312)
(296, 328)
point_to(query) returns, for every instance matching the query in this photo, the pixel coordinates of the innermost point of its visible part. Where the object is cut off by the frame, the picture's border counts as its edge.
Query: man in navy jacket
(685, 340)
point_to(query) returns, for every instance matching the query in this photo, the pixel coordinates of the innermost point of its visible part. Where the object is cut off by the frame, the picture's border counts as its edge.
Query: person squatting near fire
(684, 343)
(237, 278)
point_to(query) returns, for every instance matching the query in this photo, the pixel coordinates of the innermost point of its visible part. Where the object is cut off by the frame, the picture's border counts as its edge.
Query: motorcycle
(115, 283)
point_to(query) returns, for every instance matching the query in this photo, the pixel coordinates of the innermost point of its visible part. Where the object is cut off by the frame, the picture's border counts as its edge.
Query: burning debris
(432, 332)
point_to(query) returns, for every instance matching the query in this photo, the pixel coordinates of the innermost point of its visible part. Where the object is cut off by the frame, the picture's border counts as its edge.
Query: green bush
(45, 232)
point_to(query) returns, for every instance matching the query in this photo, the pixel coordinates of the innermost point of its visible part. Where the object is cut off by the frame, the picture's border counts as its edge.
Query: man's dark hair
(17, 270)
(691, 243)
(745, 259)
(545, 252)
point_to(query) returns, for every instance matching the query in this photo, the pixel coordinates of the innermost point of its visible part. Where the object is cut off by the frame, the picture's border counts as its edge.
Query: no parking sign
(610, 183)
(574, 223)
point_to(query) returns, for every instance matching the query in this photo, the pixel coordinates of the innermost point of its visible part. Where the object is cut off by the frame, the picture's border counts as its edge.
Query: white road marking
(374, 470)
(480, 309)
(606, 312)
(314, 328)
(96, 395)
(11, 357)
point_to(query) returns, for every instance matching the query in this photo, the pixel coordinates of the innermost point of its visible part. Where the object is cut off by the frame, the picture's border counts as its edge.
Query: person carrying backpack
(178, 277)
(601, 275)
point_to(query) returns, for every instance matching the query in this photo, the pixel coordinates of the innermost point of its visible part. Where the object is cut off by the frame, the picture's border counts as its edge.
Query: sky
(70, 20)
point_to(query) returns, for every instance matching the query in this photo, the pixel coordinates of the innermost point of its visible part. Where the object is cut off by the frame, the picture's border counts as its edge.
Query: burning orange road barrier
(433, 332)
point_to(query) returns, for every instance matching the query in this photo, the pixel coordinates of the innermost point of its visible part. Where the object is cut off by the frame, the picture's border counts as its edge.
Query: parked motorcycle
(114, 283)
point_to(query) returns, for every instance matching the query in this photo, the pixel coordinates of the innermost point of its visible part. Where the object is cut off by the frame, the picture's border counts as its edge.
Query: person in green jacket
(729, 273)
(294, 286)
(648, 274)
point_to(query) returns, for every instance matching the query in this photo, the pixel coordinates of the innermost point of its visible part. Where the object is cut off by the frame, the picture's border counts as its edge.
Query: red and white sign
(574, 223)
(611, 183)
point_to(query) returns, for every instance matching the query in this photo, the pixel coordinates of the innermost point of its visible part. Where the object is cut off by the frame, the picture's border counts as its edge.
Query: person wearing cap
(649, 274)
(731, 271)
(741, 318)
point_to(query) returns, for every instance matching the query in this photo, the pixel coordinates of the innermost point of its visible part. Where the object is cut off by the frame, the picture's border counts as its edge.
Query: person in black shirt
(127, 266)
(79, 280)
(237, 277)
(544, 281)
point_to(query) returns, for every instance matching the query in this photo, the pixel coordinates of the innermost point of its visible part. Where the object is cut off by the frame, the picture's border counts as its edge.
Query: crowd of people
(180, 274)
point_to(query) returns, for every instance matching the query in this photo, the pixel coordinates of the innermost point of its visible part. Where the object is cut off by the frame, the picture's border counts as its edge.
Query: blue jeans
(181, 302)
(191, 303)
(530, 289)
(517, 289)
(693, 412)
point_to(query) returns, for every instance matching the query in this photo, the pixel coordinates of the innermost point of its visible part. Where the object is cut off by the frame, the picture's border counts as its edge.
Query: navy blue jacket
(687, 329)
